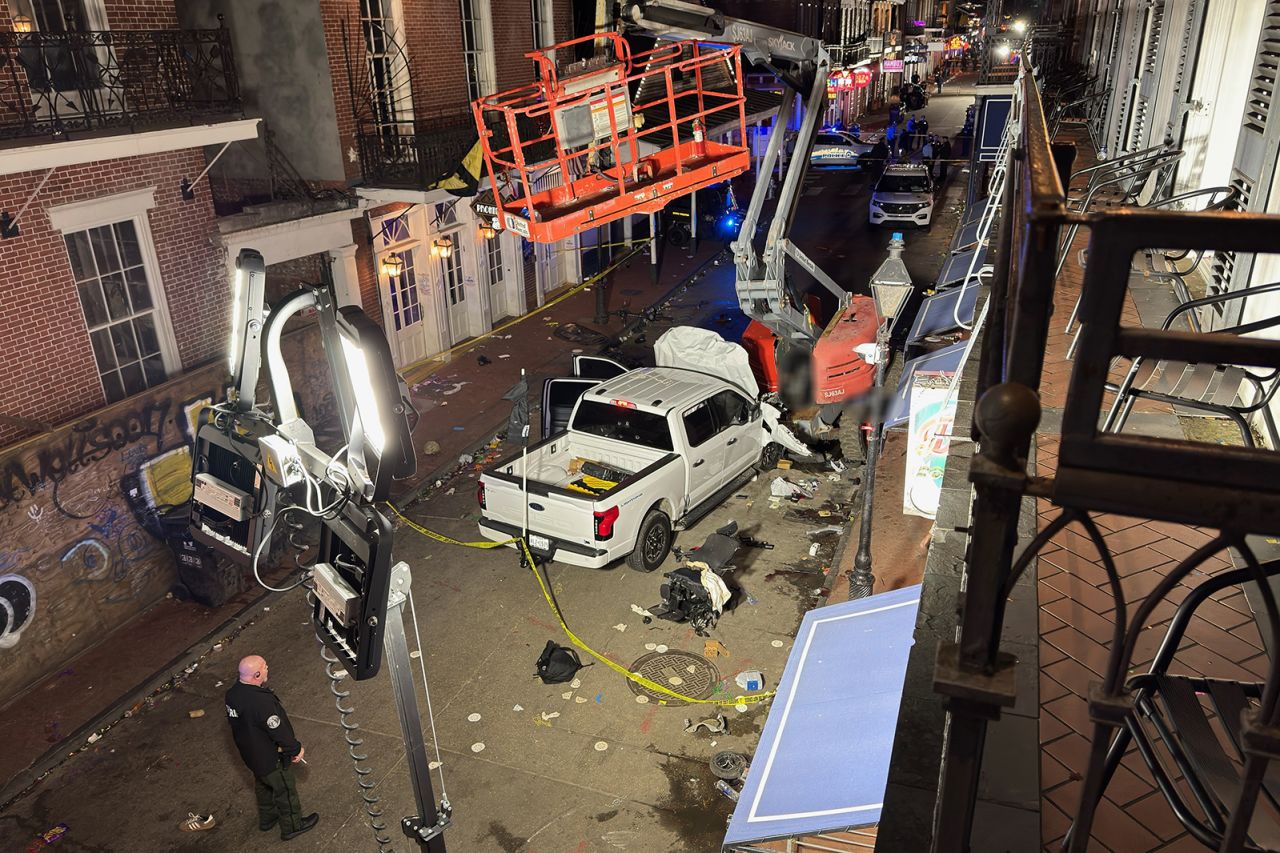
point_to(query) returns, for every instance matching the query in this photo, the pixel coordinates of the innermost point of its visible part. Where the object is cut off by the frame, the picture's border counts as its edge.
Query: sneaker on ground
(198, 823)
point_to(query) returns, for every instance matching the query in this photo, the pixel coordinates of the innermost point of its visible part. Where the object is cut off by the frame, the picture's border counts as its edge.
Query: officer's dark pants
(278, 799)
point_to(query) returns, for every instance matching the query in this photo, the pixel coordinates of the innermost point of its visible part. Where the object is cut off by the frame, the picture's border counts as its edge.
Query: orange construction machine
(598, 139)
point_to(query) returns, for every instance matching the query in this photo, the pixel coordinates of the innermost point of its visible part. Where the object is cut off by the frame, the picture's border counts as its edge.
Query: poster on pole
(933, 414)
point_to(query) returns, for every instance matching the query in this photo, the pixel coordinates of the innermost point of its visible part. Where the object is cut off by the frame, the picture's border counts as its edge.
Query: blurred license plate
(541, 543)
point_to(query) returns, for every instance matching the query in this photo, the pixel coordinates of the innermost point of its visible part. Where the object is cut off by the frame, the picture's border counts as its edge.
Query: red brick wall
(512, 39)
(333, 14)
(46, 363)
(141, 14)
(433, 39)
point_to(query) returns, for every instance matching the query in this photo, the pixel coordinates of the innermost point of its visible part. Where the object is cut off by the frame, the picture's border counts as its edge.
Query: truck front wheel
(653, 542)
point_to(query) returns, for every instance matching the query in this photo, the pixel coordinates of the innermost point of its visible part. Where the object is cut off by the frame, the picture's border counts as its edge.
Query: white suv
(904, 193)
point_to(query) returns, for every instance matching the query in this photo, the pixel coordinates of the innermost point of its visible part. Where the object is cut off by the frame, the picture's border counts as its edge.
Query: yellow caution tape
(555, 608)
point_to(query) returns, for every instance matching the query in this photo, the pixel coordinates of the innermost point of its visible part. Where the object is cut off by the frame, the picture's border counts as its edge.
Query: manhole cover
(697, 676)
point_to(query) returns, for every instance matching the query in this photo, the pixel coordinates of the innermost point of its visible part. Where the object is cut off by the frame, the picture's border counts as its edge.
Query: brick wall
(433, 38)
(512, 39)
(140, 14)
(46, 363)
(79, 528)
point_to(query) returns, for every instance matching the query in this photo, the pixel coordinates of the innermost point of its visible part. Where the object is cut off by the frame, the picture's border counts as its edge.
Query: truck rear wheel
(653, 542)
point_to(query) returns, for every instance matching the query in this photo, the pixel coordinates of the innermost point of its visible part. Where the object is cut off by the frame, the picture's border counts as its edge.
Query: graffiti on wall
(83, 521)
(17, 604)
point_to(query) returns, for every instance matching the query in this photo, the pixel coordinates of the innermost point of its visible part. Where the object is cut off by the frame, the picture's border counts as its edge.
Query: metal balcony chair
(1118, 182)
(1215, 388)
(1171, 266)
(1191, 726)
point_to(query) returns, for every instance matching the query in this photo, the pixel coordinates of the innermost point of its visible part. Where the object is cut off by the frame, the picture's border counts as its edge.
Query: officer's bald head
(253, 669)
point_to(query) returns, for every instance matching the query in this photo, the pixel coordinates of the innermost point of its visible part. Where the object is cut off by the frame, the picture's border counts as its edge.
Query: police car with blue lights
(838, 150)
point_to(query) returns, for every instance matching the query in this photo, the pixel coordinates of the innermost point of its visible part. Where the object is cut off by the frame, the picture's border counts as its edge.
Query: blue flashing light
(897, 235)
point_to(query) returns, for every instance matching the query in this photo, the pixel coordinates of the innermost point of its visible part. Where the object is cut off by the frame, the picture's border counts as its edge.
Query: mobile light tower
(890, 287)
(253, 467)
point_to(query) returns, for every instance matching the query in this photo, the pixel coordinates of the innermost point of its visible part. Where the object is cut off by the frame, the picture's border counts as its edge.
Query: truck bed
(556, 462)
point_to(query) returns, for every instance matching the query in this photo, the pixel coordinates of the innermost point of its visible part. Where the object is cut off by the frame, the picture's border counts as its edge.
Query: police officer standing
(265, 739)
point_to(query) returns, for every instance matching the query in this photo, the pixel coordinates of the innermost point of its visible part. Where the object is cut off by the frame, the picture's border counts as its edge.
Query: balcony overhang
(75, 152)
(291, 238)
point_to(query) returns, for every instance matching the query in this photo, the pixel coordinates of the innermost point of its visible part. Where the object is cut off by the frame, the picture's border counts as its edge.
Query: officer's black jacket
(261, 727)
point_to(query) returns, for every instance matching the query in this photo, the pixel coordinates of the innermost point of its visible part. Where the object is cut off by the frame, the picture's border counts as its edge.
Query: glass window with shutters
(119, 308)
(405, 305)
(453, 284)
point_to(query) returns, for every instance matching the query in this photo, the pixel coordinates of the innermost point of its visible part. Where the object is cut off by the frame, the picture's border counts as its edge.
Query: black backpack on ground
(558, 664)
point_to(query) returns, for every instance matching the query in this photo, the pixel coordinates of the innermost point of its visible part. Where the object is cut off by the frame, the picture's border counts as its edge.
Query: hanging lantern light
(22, 24)
(392, 265)
(487, 231)
(442, 248)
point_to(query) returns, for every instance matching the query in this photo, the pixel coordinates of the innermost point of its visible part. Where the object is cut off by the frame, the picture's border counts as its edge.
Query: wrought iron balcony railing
(65, 84)
(414, 154)
(1233, 491)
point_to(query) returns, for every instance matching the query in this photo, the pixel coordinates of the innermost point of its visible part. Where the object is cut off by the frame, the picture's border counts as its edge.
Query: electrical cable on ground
(555, 609)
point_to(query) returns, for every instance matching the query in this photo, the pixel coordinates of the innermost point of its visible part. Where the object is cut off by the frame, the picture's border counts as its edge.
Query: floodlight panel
(366, 398)
(238, 310)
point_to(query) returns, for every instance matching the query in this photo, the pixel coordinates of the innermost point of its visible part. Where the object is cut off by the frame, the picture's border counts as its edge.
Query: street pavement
(571, 767)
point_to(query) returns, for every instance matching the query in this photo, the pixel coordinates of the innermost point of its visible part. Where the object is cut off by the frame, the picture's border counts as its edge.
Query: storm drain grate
(683, 672)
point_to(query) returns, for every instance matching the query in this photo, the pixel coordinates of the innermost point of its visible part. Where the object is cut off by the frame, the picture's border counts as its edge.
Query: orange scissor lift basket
(624, 134)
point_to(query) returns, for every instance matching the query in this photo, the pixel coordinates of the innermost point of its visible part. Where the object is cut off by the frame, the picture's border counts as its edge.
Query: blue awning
(823, 757)
(956, 267)
(938, 312)
(945, 360)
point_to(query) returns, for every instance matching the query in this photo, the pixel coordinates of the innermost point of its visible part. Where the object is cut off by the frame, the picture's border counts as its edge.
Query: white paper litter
(784, 488)
(601, 746)
(576, 683)
(517, 707)
(642, 699)
(651, 647)
(551, 716)
(777, 644)
(640, 611)
(477, 747)
(620, 627)
(660, 648)
(434, 765)
(473, 718)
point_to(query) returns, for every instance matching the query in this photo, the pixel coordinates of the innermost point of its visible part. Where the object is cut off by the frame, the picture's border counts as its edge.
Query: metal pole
(432, 817)
(524, 467)
(693, 223)
(861, 580)
(602, 237)
(653, 248)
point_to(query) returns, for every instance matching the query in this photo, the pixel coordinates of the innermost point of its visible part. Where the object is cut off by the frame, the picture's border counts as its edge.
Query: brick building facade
(116, 276)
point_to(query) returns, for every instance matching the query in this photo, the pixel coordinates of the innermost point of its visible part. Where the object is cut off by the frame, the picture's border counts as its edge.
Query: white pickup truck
(627, 460)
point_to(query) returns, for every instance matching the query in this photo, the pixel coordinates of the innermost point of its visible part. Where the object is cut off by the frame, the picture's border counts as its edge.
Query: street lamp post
(890, 286)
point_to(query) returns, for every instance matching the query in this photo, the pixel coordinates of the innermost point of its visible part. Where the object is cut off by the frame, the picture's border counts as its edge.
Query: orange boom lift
(596, 140)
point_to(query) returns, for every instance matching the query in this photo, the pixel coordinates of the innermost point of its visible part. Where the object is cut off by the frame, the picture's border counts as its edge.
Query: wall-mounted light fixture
(442, 248)
(22, 24)
(487, 231)
(392, 265)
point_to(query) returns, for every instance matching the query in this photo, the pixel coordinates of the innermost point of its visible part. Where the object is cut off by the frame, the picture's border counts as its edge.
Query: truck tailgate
(551, 511)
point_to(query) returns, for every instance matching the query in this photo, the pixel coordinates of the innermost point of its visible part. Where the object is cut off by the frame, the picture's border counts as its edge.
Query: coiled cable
(350, 733)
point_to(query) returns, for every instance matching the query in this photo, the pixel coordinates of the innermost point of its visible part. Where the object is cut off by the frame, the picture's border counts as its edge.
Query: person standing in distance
(264, 737)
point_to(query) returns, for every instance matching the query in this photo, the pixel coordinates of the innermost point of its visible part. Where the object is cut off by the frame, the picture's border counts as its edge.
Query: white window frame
(542, 14)
(125, 207)
(400, 94)
(486, 72)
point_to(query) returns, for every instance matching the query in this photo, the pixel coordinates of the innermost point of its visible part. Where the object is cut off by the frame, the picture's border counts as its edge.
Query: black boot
(305, 824)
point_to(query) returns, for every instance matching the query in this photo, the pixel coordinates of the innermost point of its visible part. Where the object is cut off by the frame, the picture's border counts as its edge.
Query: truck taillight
(605, 521)
(480, 495)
